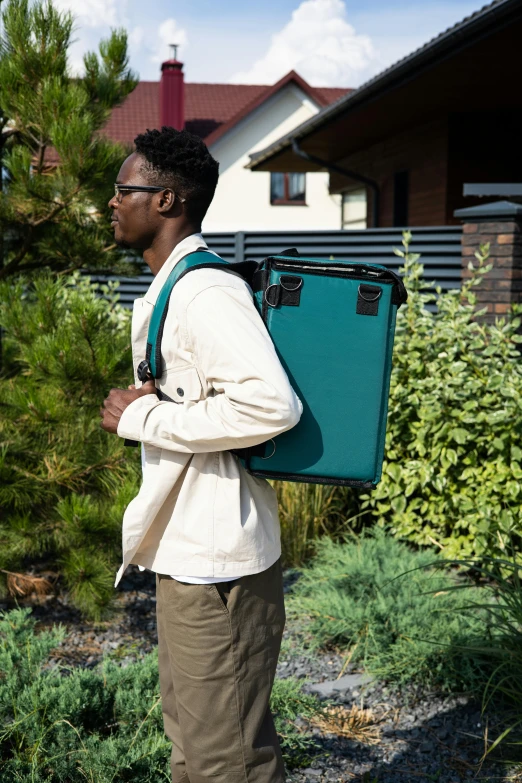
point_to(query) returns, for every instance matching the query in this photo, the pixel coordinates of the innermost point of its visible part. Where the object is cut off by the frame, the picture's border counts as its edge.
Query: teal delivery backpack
(332, 324)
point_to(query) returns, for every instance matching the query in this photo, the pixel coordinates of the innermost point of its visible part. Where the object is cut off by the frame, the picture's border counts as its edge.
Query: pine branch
(9, 268)
(54, 212)
(70, 269)
(62, 479)
(41, 158)
(24, 268)
(88, 341)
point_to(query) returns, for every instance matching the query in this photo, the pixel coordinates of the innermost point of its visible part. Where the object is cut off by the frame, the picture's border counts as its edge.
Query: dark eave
(470, 30)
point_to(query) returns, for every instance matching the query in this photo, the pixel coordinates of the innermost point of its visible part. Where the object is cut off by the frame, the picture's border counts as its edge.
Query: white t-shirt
(199, 580)
(204, 580)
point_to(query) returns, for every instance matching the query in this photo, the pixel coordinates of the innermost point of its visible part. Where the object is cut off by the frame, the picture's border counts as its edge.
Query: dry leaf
(355, 723)
(21, 585)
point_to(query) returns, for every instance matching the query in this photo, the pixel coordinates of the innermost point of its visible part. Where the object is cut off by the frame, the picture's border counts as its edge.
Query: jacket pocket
(181, 384)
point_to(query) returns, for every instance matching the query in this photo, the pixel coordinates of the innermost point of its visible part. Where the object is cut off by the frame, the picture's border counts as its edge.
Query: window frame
(286, 201)
(348, 225)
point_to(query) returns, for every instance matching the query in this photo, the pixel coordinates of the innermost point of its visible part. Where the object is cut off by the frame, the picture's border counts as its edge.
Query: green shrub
(100, 726)
(289, 702)
(64, 483)
(453, 468)
(382, 604)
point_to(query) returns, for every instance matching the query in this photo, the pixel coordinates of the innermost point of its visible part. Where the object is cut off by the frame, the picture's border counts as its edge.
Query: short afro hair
(180, 160)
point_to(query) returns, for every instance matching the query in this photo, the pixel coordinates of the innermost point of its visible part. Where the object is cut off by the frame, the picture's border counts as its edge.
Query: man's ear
(166, 201)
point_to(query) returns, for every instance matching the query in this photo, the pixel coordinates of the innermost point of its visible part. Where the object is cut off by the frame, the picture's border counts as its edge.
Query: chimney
(172, 92)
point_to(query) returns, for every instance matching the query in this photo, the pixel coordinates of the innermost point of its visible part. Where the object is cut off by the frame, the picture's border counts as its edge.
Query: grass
(414, 618)
(500, 598)
(309, 511)
(384, 606)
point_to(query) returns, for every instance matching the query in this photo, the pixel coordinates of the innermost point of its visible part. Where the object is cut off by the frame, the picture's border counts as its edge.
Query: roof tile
(207, 107)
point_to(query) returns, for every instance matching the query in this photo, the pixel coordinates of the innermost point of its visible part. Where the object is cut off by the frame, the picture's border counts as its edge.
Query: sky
(331, 43)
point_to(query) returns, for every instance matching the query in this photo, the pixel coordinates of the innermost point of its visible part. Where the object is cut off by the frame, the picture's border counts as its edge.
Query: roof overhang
(431, 80)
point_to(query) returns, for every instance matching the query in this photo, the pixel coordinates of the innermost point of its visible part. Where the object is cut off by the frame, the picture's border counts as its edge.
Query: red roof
(208, 107)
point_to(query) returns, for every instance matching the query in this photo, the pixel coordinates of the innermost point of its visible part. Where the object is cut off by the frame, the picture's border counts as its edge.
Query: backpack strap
(150, 367)
(200, 259)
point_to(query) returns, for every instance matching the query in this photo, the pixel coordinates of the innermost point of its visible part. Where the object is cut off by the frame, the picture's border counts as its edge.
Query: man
(207, 528)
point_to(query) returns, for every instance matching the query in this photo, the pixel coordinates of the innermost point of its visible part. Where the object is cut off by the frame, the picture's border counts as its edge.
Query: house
(412, 142)
(235, 121)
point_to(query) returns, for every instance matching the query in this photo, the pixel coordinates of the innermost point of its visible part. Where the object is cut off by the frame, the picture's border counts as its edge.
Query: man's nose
(113, 203)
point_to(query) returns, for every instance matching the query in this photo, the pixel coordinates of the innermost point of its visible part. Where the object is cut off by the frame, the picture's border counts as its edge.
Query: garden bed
(374, 733)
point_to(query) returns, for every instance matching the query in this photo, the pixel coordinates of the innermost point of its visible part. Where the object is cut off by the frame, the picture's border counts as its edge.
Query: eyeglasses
(120, 190)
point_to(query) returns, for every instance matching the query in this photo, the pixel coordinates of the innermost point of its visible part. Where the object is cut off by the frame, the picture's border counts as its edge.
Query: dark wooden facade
(421, 151)
(446, 120)
(440, 156)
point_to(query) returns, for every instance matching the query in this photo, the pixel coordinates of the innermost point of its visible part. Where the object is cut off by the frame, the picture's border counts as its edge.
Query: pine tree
(64, 482)
(58, 167)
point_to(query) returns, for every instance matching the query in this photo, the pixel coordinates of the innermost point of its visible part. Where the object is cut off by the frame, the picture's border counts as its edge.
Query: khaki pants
(218, 649)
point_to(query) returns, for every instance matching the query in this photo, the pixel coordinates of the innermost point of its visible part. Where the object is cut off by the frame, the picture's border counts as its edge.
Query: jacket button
(180, 391)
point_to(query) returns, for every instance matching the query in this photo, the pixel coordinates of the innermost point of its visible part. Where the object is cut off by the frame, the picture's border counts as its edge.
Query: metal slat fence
(439, 247)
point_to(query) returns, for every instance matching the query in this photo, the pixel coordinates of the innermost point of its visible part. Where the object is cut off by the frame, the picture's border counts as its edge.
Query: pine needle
(355, 723)
(21, 585)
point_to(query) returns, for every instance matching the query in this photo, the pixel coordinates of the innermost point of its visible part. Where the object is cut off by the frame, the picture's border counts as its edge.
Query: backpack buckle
(143, 372)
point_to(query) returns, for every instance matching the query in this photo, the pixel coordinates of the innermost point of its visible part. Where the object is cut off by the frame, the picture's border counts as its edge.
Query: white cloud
(320, 44)
(92, 13)
(136, 39)
(136, 36)
(169, 32)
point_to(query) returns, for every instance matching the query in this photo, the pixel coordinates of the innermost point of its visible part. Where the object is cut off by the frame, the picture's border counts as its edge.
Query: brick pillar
(500, 224)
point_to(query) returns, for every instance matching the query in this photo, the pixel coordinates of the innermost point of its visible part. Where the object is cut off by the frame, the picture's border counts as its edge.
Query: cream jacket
(198, 512)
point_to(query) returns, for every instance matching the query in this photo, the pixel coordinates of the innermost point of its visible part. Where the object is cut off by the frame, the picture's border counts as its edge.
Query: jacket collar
(186, 246)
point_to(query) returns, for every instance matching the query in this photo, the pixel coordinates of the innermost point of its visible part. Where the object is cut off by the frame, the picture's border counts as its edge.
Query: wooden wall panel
(423, 151)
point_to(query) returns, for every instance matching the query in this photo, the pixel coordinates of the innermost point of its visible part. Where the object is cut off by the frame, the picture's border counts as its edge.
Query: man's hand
(117, 401)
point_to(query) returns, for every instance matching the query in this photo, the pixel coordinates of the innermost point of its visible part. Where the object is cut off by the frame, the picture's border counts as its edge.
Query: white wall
(242, 200)
(354, 208)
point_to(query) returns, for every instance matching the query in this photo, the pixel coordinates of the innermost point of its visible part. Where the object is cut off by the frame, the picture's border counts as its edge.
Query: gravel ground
(421, 737)
(418, 737)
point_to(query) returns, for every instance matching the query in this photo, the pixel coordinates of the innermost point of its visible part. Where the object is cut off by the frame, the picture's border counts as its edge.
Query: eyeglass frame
(121, 189)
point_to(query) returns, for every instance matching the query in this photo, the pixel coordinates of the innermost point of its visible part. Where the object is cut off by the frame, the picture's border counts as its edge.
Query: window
(354, 209)
(401, 197)
(287, 188)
